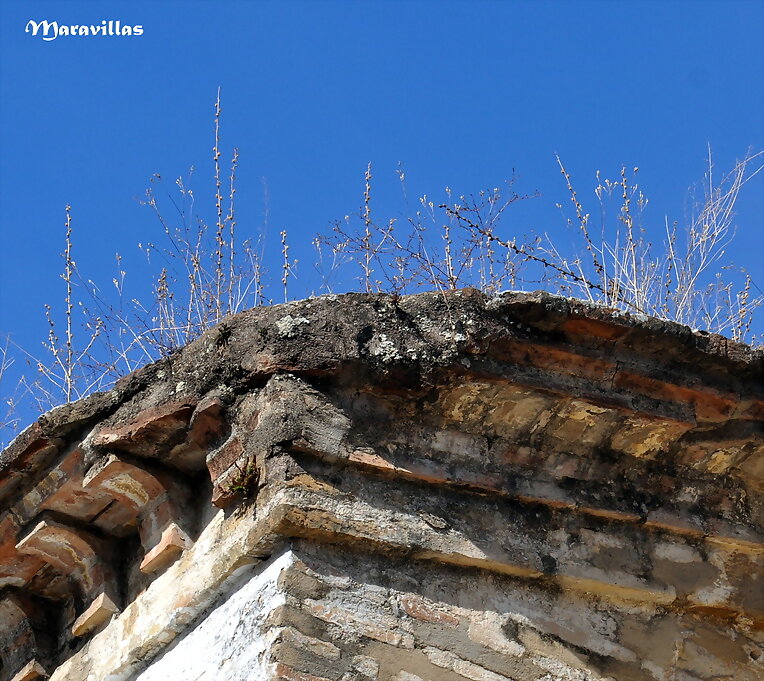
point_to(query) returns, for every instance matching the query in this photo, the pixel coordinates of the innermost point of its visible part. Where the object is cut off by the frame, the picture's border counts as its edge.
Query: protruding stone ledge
(613, 558)
(20, 645)
(99, 610)
(171, 544)
(30, 451)
(180, 432)
(157, 501)
(72, 551)
(151, 428)
(32, 671)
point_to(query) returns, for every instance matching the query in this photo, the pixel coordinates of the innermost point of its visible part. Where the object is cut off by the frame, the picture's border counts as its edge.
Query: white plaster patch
(229, 642)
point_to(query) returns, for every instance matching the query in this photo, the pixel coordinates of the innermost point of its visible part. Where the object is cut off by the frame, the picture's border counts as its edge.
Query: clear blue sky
(459, 92)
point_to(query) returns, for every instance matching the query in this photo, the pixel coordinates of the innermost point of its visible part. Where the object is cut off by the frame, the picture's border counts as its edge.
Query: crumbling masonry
(440, 487)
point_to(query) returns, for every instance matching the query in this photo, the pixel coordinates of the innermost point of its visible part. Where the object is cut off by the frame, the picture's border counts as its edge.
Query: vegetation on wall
(206, 271)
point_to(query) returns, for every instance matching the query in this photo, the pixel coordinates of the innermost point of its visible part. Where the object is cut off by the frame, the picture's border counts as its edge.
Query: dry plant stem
(583, 218)
(72, 372)
(680, 283)
(232, 305)
(258, 256)
(205, 274)
(68, 280)
(8, 419)
(63, 356)
(367, 254)
(5, 360)
(219, 234)
(448, 244)
(285, 265)
(519, 250)
(710, 232)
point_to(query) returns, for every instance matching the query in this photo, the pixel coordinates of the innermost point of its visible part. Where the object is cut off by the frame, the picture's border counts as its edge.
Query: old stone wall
(434, 487)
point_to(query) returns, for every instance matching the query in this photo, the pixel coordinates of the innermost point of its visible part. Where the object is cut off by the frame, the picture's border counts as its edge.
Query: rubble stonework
(438, 487)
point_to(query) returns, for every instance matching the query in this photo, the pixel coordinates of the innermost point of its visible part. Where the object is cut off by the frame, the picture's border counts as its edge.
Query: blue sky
(460, 93)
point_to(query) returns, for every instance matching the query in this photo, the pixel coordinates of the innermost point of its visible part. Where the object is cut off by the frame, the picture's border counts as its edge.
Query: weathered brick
(357, 622)
(418, 607)
(282, 671)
